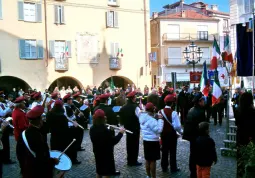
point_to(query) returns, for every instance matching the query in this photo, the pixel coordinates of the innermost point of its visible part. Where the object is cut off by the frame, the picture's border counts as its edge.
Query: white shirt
(70, 124)
(35, 103)
(175, 121)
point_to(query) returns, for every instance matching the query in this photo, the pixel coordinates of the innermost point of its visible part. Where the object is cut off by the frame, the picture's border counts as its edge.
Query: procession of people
(160, 117)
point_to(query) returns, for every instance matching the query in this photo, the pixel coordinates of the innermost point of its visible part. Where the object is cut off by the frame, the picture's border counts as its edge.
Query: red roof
(189, 14)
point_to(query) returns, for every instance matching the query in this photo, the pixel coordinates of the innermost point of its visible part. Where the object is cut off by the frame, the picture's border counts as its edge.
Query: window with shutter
(29, 12)
(113, 2)
(20, 10)
(114, 50)
(109, 18)
(56, 14)
(22, 44)
(116, 19)
(62, 14)
(38, 12)
(28, 49)
(52, 49)
(59, 49)
(174, 55)
(40, 50)
(206, 54)
(68, 49)
(1, 11)
(59, 14)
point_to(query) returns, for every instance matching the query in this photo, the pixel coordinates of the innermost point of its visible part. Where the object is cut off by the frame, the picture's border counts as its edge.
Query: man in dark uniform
(111, 116)
(129, 117)
(71, 115)
(77, 102)
(183, 101)
(33, 151)
(195, 116)
(165, 93)
(145, 97)
(208, 106)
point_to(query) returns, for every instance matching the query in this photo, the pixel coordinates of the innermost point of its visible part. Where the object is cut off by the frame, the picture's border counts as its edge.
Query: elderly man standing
(154, 99)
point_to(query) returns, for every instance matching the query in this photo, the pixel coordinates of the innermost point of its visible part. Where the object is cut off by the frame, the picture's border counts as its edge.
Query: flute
(115, 127)
(7, 121)
(70, 120)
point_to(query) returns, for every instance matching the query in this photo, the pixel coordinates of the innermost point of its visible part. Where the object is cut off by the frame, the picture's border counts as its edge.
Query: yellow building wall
(80, 17)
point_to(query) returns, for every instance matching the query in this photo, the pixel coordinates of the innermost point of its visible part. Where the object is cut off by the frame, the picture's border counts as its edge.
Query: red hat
(37, 95)
(32, 94)
(99, 113)
(19, 99)
(149, 106)
(171, 89)
(53, 95)
(97, 98)
(58, 103)
(132, 94)
(169, 98)
(77, 94)
(36, 112)
(67, 96)
(104, 96)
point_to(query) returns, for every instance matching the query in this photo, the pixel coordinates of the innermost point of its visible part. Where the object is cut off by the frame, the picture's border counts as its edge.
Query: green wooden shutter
(22, 51)
(40, 50)
(20, 10)
(52, 49)
(1, 11)
(56, 14)
(38, 12)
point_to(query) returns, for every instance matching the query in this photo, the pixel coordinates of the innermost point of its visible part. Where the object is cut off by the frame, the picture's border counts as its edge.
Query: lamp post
(193, 54)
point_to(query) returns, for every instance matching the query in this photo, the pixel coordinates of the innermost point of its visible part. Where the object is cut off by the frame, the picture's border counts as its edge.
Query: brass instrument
(118, 128)
(7, 120)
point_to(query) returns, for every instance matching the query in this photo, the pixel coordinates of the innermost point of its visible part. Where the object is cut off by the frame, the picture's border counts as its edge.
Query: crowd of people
(66, 113)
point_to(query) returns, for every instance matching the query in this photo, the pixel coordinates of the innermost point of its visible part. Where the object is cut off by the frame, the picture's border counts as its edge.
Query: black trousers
(208, 113)
(132, 143)
(192, 159)
(169, 145)
(6, 144)
(184, 113)
(217, 114)
(79, 137)
(1, 164)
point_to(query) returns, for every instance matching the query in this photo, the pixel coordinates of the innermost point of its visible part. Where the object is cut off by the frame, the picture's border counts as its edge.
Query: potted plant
(248, 159)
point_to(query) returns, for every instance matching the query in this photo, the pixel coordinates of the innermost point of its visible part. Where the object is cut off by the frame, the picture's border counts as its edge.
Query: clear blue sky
(156, 5)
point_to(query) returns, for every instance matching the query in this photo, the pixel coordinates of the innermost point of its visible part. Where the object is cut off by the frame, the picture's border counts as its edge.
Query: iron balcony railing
(182, 61)
(115, 63)
(199, 36)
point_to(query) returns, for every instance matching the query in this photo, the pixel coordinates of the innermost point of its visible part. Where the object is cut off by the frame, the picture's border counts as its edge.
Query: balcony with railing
(115, 63)
(182, 61)
(199, 36)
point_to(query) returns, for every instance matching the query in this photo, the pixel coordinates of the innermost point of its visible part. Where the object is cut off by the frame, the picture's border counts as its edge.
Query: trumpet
(70, 120)
(77, 109)
(118, 128)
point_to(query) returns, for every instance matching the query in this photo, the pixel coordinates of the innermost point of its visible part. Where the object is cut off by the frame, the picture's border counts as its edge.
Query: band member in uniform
(54, 97)
(184, 103)
(5, 112)
(121, 99)
(111, 116)
(103, 145)
(32, 149)
(69, 113)
(129, 117)
(61, 135)
(37, 100)
(3, 126)
(169, 135)
(77, 102)
(20, 121)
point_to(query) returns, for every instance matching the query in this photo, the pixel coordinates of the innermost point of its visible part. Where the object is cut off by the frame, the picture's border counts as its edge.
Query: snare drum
(64, 164)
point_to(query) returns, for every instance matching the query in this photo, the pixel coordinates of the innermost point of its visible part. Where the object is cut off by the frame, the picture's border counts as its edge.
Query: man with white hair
(154, 98)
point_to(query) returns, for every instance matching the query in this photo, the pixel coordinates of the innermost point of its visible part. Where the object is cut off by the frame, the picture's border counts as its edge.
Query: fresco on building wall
(87, 48)
(61, 63)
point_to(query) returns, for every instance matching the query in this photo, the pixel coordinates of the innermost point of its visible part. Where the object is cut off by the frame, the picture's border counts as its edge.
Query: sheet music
(116, 108)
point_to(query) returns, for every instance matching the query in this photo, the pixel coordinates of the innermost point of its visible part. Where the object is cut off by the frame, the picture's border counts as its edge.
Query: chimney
(154, 15)
(214, 7)
(183, 14)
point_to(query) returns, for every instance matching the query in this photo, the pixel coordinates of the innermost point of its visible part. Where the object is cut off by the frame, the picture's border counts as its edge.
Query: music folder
(83, 107)
(116, 108)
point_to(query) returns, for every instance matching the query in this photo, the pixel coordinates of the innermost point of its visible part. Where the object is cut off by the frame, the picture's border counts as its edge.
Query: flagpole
(253, 51)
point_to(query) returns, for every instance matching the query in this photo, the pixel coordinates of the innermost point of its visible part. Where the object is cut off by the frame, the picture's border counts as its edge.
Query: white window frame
(112, 19)
(28, 45)
(177, 59)
(26, 19)
(59, 48)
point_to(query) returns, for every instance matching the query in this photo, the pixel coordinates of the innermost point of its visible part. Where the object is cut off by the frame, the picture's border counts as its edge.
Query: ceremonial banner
(61, 63)
(195, 77)
(87, 48)
(222, 76)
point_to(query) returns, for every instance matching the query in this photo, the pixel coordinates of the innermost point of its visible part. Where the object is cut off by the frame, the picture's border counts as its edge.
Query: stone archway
(7, 83)
(65, 82)
(119, 81)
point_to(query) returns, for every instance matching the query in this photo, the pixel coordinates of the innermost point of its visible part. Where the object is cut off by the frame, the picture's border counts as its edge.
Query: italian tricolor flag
(215, 55)
(217, 92)
(204, 85)
(227, 54)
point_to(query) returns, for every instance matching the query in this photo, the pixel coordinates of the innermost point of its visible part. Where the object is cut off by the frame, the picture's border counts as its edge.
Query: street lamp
(193, 54)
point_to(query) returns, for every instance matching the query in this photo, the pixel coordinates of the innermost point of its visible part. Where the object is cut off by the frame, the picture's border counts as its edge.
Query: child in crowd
(205, 152)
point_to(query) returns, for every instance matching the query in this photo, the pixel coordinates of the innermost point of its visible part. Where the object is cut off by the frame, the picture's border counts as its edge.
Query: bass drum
(65, 163)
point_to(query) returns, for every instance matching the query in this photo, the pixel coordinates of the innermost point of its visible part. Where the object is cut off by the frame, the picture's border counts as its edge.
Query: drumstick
(6, 121)
(67, 148)
(115, 127)
(78, 124)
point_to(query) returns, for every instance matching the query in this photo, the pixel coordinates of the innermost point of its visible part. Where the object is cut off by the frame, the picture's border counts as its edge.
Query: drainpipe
(46, 34)
(146, 37)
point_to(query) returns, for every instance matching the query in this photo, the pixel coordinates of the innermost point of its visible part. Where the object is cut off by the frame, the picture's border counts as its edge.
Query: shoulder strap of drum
(26, 143)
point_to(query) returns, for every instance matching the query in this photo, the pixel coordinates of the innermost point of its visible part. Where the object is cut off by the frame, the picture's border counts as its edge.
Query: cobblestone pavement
(225, 168)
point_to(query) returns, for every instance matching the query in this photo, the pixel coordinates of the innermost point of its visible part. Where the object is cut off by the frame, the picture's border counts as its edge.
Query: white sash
(163, 113)
(26, 143)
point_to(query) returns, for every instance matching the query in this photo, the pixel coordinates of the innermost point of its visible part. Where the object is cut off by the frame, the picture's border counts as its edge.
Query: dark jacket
(154, 99)
(103, 147)
(194, 117)
(40, 166)
(110, 115)
(129, 118)
(205, 151)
